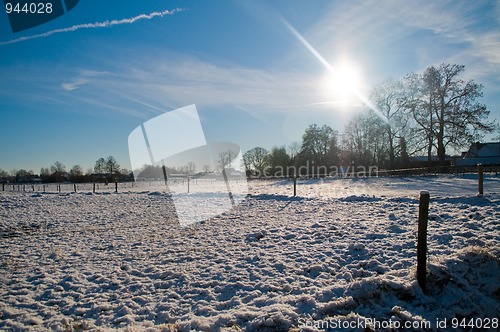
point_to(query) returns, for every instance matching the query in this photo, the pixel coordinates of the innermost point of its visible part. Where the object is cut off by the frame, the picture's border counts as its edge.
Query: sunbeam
(344, 80)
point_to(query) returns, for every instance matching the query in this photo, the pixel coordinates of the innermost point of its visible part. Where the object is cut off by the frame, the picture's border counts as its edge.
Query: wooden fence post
(116, 187)
(93, 188)
(480, 179)
(3, 186)
(74, 187)
(294, 185)
(228, 187)
(188, 184)
(423, 215)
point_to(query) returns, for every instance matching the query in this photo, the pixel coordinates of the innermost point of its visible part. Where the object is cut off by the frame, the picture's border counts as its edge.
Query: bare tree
(58, 167)
(393, 100)
(191, 167)
(256, 159)
(293, 149)
(44, 173)
(226, 158)
(76, 173)
(112, 167)
(100, 166)
(89, 172)
(455, 118)
(364, 140)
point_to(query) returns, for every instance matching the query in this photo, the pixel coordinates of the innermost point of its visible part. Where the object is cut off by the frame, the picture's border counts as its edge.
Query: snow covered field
(341, 252)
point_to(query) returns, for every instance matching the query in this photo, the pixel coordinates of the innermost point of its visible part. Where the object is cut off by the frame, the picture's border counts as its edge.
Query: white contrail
(95, 25)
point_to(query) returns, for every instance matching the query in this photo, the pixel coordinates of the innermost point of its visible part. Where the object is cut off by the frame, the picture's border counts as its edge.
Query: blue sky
(75, 95)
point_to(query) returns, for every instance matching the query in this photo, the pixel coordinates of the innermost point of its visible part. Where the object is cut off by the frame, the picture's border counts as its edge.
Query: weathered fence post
(423, 215)
(93, 188)
(188, 184)
(228, 187)
(116, 187)
(480, 179)
(74, 186)
(44, 188)
(3, 186)
(294, 185)
(59, 188)
(33, 187)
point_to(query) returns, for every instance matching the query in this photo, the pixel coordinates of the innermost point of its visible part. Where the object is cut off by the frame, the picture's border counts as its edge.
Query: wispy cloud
(84, 76)
(70, 86)
(95, 25)
(425, 33)
(161, 82)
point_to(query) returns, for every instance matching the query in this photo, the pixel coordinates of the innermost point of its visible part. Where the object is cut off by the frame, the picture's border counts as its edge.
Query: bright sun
(343, 82)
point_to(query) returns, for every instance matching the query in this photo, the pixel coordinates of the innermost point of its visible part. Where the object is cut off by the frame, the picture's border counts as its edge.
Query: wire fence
(181, 185)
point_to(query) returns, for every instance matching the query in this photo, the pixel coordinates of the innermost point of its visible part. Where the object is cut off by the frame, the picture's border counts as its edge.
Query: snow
(343, 250)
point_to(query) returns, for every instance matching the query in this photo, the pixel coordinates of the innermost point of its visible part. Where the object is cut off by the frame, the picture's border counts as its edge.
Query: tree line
(104, 170)
(422, 114)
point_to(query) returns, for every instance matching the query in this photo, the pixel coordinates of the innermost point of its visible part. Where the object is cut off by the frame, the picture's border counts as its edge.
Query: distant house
(59, 176)
(36, 179)
(487, 154)
(101, 177)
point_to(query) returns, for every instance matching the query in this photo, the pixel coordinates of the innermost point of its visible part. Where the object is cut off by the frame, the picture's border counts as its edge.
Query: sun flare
(343, 82)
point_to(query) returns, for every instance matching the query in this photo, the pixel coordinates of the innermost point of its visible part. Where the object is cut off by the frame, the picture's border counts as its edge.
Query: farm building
(487, 154)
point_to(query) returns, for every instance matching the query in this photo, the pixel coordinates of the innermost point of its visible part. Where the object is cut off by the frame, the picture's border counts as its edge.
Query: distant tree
(58, 167)
(3, 174)
(279, 160)
(191, 167)
(364, 140)
(151, 172)
(112, 168)
(126, 175)
(23, 175)
(293, 152)
(206, 168)
(182, 169)
(256, 159)
(100, 166)
(319, 146)
(226, 158)
(76, 173)
(44, 173)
